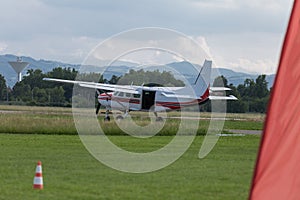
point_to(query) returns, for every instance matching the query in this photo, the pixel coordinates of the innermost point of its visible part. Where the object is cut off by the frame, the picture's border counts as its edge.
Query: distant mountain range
(10, 75)
(184, 68)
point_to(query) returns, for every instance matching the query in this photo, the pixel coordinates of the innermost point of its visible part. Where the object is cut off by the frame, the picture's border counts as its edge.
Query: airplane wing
(102, 86)
(230, 97)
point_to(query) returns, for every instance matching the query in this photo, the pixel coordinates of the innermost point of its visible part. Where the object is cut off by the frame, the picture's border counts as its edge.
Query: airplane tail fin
(201, 86)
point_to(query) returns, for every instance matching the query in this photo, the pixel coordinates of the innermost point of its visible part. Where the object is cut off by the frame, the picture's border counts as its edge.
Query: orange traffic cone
(38, 178)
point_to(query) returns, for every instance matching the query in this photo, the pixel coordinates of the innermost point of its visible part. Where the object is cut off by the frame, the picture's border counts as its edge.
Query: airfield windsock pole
(38, 178)
(277, 172)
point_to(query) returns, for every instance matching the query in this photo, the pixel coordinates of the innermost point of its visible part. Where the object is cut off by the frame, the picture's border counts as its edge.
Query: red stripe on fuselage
(105, 96)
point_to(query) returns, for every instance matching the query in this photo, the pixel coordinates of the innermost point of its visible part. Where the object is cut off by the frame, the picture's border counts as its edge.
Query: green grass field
(70, 172)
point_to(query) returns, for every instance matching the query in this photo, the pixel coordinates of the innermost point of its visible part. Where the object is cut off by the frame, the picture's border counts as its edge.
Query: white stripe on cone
(38, 181)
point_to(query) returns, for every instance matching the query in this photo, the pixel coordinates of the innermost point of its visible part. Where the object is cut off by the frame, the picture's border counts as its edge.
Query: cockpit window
(121, 94)
(127, 94)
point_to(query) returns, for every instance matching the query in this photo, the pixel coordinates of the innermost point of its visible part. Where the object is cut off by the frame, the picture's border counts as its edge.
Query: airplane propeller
(98, 104)
(98, 108)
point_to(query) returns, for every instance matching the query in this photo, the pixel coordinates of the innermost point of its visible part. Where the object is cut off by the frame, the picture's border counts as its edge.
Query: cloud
(66, 49)
(259, 48)
(242, 59)
(150, 46)
(203, 44)
(21, 20)
(3, 46)
(103, 18)
(265, 66)
(216, 4)
(268, 5)
(67, 30)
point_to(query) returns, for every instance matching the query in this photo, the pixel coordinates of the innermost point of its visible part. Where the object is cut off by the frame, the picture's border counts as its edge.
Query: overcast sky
(243, 35)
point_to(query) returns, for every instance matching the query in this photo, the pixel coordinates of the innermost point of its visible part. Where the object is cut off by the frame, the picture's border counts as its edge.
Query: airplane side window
(136, 95)
(128, 95)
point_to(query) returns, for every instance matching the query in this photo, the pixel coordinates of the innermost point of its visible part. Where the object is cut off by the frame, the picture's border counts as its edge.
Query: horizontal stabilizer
(219, 89)
(230, 97)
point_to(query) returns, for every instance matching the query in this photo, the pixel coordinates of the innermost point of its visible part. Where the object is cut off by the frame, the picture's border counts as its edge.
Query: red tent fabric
(277, 172)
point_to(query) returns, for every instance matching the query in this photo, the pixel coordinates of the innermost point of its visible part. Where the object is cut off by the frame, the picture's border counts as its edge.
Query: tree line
(253, 95)
(33, 90)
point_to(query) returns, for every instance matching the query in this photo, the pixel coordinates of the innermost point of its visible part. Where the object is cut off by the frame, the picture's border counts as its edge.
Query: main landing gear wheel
(107, 119)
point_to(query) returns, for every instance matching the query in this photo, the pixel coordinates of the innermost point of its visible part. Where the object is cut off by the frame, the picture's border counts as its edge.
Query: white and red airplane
(145, 98)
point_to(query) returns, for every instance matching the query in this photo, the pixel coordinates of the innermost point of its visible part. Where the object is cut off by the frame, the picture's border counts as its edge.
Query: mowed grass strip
(36, 123)
(46, 120)
(70, 172)
(64, 124)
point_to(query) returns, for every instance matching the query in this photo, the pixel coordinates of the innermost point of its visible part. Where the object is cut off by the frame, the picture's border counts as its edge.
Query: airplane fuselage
(153, 98)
